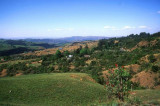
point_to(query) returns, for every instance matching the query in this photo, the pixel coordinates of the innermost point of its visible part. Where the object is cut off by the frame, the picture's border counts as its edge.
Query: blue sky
(63, 18)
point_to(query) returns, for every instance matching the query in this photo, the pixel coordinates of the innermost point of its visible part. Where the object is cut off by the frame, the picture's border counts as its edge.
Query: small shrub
(136, 86)
(134, 101)
(145, 66)
(151, 58)
(155, 68)
(118, 83)
(157, 82)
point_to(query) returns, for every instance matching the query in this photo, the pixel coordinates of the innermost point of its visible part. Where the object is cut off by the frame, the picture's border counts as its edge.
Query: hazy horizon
(18, 38)
(40, 19)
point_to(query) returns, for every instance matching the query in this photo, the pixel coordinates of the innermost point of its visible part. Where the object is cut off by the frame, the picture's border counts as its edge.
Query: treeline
(118, 50)
(14, 51)
(127, 42)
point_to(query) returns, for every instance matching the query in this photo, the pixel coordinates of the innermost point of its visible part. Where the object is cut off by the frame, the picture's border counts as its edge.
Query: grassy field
(61, 89)
(149, 96)
(51, 89)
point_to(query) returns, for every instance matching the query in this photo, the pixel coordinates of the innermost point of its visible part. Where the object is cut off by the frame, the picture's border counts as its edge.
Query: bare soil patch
(145, 79)
(134, 67)
(140, 44)
(18, 74)
(3, 73)
(72, 67)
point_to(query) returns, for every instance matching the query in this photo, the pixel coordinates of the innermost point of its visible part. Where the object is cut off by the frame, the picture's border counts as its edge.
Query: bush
(118, 83)
(157, 81)
(155, 68)
(134, 101)
(58, 54)
(151, 58)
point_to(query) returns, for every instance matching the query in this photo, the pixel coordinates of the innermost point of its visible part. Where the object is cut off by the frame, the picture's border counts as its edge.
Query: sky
(65, 18)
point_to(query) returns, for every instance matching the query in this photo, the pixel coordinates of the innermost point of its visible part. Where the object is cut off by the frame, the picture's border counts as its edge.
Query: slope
(50, 89)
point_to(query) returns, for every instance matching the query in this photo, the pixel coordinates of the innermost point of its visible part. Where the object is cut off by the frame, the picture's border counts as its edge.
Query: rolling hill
(51, 89)
(10, 47)
(138, 54)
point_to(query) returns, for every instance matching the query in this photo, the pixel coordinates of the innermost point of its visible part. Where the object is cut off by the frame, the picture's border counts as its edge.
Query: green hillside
(66, 80)
(50, 89)
(10, 47)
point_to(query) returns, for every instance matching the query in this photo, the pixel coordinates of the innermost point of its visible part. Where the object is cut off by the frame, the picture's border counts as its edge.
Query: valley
(70, 70)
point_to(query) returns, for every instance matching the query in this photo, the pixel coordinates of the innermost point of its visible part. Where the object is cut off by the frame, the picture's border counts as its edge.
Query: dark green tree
(58, 54)
(151, 58)
(66, 53)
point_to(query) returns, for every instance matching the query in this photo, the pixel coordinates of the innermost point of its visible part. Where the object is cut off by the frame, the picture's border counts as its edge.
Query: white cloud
(106, 27)
(128, 27)
(109, 27)
(114, 28)
(142, 27)
(158, 12)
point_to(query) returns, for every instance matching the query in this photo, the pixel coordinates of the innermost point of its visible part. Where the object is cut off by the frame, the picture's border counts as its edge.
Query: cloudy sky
(63, 18)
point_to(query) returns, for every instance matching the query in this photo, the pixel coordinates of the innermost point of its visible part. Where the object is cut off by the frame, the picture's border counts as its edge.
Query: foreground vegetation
(64, 89)
(51, 89)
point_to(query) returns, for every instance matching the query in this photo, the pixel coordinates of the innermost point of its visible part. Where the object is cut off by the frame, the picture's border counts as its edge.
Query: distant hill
(83, 38)
(61, 41)
(10, 47)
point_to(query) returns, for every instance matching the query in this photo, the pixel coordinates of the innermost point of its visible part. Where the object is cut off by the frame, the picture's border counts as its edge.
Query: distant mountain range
(66, 39)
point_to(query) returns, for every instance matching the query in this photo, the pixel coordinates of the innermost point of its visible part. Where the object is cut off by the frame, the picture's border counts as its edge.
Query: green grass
(35, 64)
(50, 89)
(61, 89)
(4, 46)
(17, 61)
(149, 96)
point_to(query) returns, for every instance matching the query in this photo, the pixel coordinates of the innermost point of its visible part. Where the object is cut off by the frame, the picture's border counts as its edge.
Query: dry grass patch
(18, 74)
(134, 67)
(3, 73)
(83, 78)
(145, 79)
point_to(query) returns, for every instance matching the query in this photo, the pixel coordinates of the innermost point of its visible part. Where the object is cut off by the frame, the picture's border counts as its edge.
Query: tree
(86, 46)
(151, 58)
(83, 51)
(66, 53)
(101, 43)
(58, 54)
(155, 68)
(77, 51)
(118, 83)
